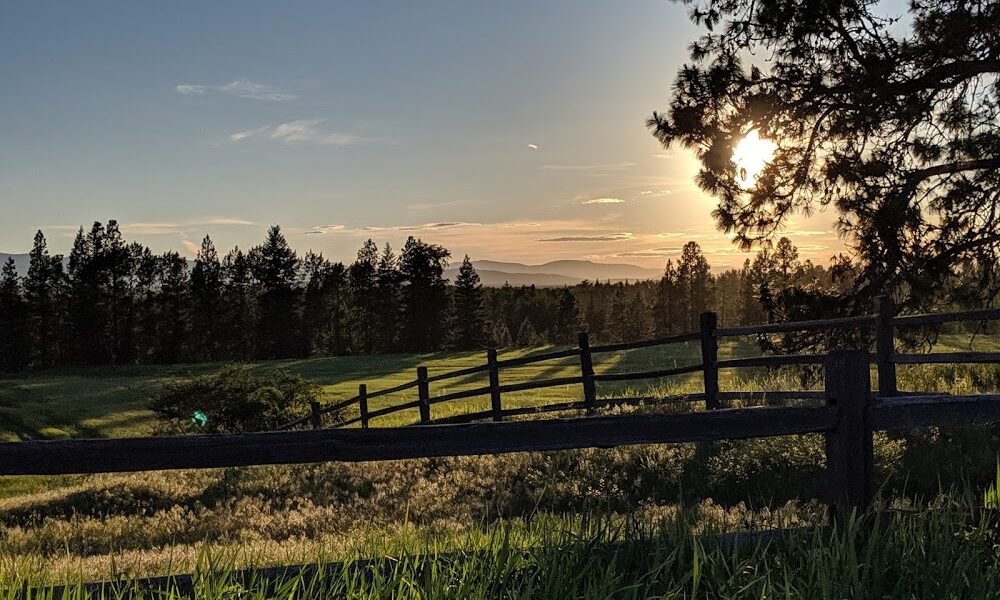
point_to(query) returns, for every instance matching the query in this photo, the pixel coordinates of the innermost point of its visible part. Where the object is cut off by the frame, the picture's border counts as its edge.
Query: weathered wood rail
(883, 323)
(848, 415)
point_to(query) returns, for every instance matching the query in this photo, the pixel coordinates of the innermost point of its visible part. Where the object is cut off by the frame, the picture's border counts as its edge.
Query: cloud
(533, 146)
(655, 193)
(190, 246)
(601, 237)
(685, 235)
(297, 132)
(323, 229)
(167, 227)
(595, 167)
(190, 90)
(652, 252)
(604, 201)
(248, 133)
(240, 88)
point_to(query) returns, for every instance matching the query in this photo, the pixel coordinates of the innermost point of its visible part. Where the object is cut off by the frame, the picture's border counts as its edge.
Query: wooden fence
(884, 323)
(848, 415)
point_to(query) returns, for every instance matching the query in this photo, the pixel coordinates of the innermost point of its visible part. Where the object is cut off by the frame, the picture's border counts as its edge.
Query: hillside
(20, 261)
(555, 273)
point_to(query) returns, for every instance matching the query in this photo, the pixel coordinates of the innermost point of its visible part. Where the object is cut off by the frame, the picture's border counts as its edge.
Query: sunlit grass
(932, 553)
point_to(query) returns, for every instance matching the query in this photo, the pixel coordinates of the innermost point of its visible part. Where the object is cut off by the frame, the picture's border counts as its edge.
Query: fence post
(494, 371)
(587, 369)
(850, 461)
(424, 393)
(885, 347)
(363, 404)
(710, 358)
(315, 418)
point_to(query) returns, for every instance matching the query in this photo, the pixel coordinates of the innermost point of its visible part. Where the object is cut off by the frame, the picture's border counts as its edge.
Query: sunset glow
(750, 156)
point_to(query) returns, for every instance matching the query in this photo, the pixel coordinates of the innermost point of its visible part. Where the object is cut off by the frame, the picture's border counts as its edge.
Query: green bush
(237, 398)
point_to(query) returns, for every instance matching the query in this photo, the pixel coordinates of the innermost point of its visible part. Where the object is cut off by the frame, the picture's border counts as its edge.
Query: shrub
(235, 399)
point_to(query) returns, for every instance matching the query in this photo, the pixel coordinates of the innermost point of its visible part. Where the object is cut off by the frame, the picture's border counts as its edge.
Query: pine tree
(43, 294)
(206, 302)
(667, 316)
(424, 296)
(87, 317)
(174, 308)
(468, 318)
(387, 299)
(500, 335)
(239, 299)
(275, 267)
(694, 276)
(13, 321)
(567, 324)
(527, 337)
(364, 294)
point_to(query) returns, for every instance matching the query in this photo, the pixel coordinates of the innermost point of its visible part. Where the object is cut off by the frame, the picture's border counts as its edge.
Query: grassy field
(112, 402)
(931, 554)
(153, 523)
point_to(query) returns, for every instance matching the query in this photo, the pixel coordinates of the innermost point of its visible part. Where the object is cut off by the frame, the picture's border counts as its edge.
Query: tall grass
(929, 554)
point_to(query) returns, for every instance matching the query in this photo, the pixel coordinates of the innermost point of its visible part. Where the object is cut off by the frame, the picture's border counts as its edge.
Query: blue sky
(505, 130)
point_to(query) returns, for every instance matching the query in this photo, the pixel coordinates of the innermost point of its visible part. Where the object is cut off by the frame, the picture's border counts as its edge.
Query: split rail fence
(848, 414)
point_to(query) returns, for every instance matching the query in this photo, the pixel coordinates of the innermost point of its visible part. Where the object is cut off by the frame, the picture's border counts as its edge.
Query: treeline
(117, 303)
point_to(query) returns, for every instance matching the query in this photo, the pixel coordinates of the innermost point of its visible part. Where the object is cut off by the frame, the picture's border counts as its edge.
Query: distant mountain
(554, 274)
(20, 262)
(493, 273)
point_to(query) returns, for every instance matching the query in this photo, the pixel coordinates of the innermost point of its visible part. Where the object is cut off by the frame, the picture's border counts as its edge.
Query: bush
(235, 399)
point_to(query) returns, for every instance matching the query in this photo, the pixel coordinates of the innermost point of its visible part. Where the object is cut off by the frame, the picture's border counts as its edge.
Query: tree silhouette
(13, 321)
(896, 129)
(275, 267)
(567, 324)
(206, 302)
(43, 292)
(424, 295)
(468, 320)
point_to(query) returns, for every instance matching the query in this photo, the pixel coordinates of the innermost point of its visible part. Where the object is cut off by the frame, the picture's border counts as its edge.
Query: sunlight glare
(750, 156)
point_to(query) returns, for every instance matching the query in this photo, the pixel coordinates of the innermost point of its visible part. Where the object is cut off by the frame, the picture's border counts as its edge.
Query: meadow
(86, 527)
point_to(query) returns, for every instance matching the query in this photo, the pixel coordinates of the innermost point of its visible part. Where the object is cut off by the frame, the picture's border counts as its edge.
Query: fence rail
(883, 324)
(847, 417)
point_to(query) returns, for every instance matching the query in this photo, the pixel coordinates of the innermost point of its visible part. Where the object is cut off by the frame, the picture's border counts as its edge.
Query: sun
(750, 156)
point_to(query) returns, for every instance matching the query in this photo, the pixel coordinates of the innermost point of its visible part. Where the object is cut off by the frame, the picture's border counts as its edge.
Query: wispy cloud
(533, 146)
(297, 132)
(240, 88)
(652, 252)
(593, 167)
(601, 237)
(603, 201)
(324, 229)
(190, 246)
(166, 227)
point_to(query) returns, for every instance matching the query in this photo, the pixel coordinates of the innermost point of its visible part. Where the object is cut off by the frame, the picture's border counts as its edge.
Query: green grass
(153, 523)
(112, 402)
(929, 554)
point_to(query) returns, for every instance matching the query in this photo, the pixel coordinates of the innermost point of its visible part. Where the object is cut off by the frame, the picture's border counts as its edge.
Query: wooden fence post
(363, 404)
(587, 369)
(710, 358)
(494, 371)
(424, 393)
(315, 418)
(850, 461)
(885, 347)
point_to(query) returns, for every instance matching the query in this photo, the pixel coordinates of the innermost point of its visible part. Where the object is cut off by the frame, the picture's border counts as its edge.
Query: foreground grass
(948, 552)
(156, 523)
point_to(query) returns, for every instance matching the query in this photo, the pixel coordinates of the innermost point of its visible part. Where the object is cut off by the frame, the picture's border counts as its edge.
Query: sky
(508, 131)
